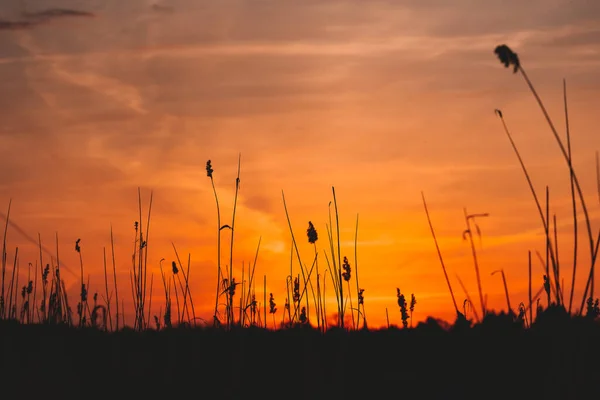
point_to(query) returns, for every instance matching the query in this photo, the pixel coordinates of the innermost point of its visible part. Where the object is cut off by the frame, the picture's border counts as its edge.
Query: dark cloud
(38, 17)
(51, 13)
(15, 25)
(162, 8)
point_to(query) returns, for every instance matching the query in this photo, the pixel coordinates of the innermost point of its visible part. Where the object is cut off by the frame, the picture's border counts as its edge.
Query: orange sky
(380, 99)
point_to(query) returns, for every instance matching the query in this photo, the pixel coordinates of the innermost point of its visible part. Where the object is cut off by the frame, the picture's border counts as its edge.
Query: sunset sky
(379, 99)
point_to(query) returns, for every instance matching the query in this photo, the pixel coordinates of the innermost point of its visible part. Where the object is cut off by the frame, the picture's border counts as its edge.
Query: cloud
(15, 25)
(52, 13)
(33, 19)
(162, 8)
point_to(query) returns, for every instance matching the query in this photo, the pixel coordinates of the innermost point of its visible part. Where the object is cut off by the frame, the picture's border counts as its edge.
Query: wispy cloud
(51, 13)
(15, 25)
(31, 19)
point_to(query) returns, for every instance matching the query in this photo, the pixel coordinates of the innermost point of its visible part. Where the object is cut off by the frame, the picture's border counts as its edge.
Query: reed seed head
(45, 273)
(296, 289)
(77, 248)
(174, 266)
(209, 169)
(508, 57)
(272, 305)
(84, 293)
(547, 285)
(403, 307)
(303, 317)
(311, 233)
(347, 270)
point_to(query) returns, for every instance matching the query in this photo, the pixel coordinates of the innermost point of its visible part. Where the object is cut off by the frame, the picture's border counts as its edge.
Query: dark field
(555, 359)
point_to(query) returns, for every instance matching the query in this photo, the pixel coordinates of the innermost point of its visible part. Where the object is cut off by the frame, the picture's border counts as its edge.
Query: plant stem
(114, 264)
(2, 295)
(439, 253)
(573, 199)
(340, 287)
(237, 187)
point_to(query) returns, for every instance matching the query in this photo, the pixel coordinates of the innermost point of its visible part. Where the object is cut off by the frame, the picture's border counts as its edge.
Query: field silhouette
(556, 358)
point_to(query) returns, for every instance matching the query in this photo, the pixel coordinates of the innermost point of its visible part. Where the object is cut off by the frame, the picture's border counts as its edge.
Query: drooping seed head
(508, 57)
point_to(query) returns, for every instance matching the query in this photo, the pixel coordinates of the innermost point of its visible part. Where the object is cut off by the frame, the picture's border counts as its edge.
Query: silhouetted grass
(433, 360)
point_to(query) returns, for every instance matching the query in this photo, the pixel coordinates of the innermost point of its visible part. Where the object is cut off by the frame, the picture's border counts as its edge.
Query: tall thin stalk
(439, 253)
(530, 299)
(150, 301)
(559, 289)
(573, 198)
(295, 248)
(547, 233)
(112, 247)
(358, 295)
(333, 268)
(237, 188)
(11, 288)
(2, 294)
(510, 311)
(339, 253)
(44, 277)
(209, 173)
(32, 306)
(252, 268)
(598, 175)
(108, 315)
(468, 232)
(83, 292)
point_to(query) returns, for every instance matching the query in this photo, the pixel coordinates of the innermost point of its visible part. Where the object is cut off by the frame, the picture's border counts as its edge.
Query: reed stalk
(439, 253)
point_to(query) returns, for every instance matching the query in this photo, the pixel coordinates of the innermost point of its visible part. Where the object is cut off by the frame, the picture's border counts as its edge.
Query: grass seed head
(303, 317)
(209, 169)
(508, 57)
(272, 305)
(413, 302)
(296, 289)
(347, 270)
(403, 307)
(547, 285)
(311, 233)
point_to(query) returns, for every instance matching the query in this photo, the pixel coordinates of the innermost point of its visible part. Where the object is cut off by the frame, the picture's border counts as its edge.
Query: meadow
(546, 347)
